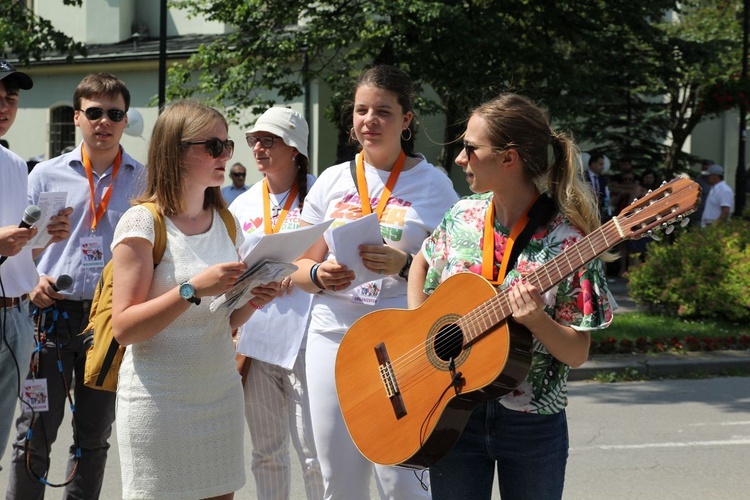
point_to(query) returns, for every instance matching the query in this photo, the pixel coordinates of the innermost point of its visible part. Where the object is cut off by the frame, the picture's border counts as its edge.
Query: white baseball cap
(285, 123)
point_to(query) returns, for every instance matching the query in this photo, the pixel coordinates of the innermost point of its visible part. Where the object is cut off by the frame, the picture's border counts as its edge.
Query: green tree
(560, 53)
(702, 46)
(27, 36)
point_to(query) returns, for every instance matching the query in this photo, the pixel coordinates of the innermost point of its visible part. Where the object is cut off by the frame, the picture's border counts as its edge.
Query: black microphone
(30, 216)
(63, 283)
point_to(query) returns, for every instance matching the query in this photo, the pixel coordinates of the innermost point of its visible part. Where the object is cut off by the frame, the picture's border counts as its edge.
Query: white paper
(35, 394)
(268, 260)
(50, 204)
(344, 242)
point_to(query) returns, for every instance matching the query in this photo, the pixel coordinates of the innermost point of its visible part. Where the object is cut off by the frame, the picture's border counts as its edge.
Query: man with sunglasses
(99, 179)
(238, 186)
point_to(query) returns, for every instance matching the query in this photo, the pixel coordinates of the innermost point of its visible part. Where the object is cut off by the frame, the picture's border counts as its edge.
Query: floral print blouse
(580, 301)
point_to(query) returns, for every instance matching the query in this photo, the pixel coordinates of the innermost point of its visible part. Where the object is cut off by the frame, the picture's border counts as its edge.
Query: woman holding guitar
(410, 197)
(505, 159)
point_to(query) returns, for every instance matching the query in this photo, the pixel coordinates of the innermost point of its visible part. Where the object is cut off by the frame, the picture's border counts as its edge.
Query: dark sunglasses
(266, 141)
(237, 174)
(114, 114)
(214, 147)
(470, 148)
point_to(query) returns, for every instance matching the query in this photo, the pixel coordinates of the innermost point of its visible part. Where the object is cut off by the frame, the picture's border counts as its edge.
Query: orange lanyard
(389, 185)
(488, 250)
(267, 208)
(97, 214)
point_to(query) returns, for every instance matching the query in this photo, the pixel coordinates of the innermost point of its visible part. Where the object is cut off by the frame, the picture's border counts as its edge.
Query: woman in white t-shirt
(272, 343)
(410, 197)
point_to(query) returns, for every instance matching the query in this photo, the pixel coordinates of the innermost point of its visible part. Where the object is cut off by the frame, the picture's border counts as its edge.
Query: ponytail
(302, 164)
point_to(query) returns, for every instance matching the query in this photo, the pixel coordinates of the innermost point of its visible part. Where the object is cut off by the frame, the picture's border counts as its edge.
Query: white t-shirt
(421, 197)
(275, 333)
(19, 274)
(721, 195)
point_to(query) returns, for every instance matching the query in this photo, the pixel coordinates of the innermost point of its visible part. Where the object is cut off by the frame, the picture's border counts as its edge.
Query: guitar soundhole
(448, 342)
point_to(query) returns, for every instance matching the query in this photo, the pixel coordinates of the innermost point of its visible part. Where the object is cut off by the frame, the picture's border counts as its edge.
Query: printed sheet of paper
(344, 242)
(268, 260)
(50, 204)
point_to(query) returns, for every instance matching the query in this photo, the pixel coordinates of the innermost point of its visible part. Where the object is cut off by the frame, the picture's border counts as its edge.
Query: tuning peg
(669, 229)
(653, 235)
(685, 221)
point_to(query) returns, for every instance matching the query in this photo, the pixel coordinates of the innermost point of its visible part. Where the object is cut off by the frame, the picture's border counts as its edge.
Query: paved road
(673, 439)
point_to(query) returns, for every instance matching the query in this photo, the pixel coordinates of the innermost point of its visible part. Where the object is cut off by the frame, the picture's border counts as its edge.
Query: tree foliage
(27, 36)
(602, 67)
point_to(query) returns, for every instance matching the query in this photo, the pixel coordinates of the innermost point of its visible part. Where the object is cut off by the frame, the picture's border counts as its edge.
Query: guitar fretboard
(497, 309)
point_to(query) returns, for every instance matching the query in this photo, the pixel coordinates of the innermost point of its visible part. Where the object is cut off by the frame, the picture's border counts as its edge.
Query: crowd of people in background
(191, 379)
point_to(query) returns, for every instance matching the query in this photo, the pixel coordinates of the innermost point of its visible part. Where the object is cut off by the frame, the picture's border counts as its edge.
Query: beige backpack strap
(160, 232)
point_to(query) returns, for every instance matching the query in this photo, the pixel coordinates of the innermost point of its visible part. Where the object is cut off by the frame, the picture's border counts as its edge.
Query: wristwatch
(187, 292)
(404, 272)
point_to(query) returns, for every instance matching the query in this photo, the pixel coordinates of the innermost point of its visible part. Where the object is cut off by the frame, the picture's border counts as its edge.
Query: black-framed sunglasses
(265, 141)
(470, 148)
(238, 174)
(114, 114)
(214, 147)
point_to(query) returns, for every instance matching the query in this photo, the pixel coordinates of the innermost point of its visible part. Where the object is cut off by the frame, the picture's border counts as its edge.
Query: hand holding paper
(344, 242)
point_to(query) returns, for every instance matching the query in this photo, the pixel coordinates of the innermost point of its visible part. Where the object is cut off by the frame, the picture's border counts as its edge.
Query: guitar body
(394, 377)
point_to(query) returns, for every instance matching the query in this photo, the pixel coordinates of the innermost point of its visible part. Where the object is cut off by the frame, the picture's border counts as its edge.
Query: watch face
(187, 291)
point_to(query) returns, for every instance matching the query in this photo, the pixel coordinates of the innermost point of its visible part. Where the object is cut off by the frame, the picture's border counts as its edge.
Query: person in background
(597, 179)
(702, 180)
(650, 180)
(720, 199)
(98, 173)
(18, 275)
(523, 435)
(409, 196)
(273, 340)
(237, 173)
(179, 396)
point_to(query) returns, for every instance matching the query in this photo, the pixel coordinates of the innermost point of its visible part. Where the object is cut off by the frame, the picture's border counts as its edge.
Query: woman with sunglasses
(505, 158)
(272, 343)
(409, 196)
(179, 397)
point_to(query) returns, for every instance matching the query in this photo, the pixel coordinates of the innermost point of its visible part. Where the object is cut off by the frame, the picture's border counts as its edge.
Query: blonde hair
(515, 122)
(180, 122)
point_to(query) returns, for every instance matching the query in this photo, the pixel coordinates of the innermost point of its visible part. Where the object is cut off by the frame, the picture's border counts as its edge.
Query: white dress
(180, 407)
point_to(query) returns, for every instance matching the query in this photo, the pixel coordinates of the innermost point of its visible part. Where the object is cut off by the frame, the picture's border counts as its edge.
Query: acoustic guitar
(408, 380)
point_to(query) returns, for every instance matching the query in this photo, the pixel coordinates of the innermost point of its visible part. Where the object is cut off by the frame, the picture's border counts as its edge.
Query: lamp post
(740, 180)
(162, 54)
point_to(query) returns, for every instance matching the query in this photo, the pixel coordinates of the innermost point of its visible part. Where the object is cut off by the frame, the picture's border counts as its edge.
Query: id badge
(92, 249)
(35, 394)
(367, 293)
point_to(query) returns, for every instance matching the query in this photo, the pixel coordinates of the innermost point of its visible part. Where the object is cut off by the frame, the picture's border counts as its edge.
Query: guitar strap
(540, 213)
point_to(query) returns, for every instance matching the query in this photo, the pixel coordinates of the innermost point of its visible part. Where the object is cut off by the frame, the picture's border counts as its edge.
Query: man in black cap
(18, 274)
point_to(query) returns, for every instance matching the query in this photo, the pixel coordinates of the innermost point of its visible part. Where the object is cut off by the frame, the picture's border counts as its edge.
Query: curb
(664, 365)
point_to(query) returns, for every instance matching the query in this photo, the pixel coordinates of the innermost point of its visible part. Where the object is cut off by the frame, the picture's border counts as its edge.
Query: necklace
(197, 215)
(276, 209)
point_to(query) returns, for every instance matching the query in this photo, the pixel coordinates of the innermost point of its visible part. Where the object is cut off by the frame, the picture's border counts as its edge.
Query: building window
(62, 130)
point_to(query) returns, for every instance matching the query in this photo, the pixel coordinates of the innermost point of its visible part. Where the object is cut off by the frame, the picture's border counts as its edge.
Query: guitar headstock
(672, 200)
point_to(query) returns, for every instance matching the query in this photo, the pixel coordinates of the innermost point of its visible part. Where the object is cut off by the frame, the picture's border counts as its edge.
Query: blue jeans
(18, 329)
(530, 451)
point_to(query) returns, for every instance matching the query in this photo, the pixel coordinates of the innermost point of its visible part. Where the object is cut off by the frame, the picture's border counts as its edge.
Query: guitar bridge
(390, 384)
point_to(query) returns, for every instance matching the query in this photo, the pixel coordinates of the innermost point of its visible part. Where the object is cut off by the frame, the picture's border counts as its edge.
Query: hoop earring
(352, 135)
(406, 139)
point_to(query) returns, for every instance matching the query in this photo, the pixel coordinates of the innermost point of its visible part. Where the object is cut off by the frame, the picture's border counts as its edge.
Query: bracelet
(256, 307)
(314, 276)
(404, 272)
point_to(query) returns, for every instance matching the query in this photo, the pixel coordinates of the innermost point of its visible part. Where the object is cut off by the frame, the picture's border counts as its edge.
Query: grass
(635, 325)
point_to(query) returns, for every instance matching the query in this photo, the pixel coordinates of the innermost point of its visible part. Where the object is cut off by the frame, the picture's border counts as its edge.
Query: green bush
(704, 273)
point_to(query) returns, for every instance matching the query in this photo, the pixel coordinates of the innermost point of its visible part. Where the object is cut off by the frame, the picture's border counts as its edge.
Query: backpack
(104, 354)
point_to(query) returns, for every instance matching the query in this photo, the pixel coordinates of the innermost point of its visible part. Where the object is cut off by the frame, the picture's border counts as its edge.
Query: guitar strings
(454, 334)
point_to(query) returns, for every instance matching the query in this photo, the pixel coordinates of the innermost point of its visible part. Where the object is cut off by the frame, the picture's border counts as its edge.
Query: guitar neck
(496, 310)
